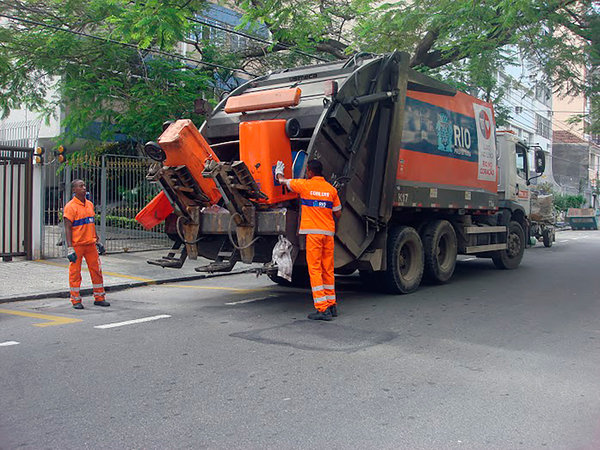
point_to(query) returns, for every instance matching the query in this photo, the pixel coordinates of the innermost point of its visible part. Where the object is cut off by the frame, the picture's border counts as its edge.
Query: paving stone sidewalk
(26, 280)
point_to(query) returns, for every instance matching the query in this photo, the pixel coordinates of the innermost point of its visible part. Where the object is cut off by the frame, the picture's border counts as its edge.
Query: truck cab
(514, 180)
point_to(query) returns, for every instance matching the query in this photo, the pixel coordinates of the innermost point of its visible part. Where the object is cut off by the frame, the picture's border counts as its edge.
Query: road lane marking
(7, 343)
(250, 300)
(131, 322)
(54, 320)
(112, 274)
(215, 288)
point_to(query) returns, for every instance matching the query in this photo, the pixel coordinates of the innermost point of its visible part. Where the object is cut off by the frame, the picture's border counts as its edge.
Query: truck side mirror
(540, 161)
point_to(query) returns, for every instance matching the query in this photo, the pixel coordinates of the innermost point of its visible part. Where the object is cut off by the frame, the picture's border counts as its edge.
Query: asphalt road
(493, 360)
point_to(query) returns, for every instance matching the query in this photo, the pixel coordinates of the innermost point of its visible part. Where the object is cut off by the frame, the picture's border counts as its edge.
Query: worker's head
(78, 188)
(314, 168)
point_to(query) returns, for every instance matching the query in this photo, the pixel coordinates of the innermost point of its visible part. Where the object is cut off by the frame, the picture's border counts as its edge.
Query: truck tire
(300, 278)
(440, 248)
(405, 261)
(512, 256)
(547, 238)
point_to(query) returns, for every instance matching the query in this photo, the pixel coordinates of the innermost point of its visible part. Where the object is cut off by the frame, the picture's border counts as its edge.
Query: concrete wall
(570, 164)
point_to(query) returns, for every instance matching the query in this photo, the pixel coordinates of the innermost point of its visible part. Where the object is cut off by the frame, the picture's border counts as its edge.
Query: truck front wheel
(512, 256)
(405, 261)
(440, 248)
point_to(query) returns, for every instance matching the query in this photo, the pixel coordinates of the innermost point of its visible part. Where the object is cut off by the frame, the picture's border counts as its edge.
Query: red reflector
(331, 88)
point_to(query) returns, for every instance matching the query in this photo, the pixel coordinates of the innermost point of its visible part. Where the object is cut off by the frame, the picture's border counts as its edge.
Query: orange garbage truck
(422, 173)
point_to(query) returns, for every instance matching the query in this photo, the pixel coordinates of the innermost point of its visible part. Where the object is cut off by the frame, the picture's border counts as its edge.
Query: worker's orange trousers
(319, 258)
(90, 253)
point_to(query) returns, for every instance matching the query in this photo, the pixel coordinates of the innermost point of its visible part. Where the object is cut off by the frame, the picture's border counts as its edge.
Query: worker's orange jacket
(319, 200)
(81, 215)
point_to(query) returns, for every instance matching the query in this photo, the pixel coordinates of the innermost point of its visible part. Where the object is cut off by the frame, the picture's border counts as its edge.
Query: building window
(543, 126)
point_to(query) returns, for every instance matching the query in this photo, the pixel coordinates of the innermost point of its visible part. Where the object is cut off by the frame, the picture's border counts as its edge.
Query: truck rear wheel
(512, 256)
(547, 238)
(440, 248)
(300, 278)
(405, 261)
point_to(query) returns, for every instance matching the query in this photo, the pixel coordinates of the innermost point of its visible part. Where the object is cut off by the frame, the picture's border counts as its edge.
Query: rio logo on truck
(441, 131)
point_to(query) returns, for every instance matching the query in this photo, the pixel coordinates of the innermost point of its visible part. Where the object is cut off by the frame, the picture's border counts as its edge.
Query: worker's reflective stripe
(320, 299)
(328, 286)
(316, 231)
(317, 203)
(83, 221)
(74, 289)
(317, 288)
(337, 208)
(330, 297)
(97, 286)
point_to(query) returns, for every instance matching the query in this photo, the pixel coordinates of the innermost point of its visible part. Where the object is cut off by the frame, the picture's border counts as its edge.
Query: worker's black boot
(77, 305)
(318, 315)
(333, 310)
(101, 303)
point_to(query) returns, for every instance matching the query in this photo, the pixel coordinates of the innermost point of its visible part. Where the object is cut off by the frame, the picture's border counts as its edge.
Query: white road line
(7, 343)
(131, 322)
(250, 300)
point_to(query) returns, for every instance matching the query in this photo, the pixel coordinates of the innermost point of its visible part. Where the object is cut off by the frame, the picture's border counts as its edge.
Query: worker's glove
(71, 255)
(279, 168)
(101, 249)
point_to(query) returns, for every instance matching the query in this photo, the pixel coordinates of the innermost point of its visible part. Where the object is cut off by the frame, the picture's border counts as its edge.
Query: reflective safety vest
(81, 215)
(319, 199)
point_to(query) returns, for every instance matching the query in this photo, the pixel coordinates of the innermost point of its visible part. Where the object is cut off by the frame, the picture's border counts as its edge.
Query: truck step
(481, 230)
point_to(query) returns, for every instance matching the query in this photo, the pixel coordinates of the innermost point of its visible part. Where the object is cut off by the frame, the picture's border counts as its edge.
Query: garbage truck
(421, 171)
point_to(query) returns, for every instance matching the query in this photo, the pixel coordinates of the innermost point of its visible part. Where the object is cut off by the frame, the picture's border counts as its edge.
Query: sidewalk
(26, 280)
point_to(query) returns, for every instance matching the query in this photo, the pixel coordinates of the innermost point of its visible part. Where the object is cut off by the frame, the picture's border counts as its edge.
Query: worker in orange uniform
(81, 240)
(320, 204)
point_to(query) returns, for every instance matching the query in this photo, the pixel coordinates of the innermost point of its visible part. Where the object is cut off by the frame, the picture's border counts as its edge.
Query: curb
(120, 287)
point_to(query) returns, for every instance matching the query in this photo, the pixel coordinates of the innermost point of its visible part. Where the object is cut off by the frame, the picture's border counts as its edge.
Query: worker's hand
(71, 255)
(279, 168)
(101, 249)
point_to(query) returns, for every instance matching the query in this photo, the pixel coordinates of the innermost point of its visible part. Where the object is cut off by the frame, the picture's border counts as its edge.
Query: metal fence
(15, 201)
(119, 190)
(17, 140)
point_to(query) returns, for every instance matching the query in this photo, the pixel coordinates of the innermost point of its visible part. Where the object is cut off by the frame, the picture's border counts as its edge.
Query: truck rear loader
(421, 172)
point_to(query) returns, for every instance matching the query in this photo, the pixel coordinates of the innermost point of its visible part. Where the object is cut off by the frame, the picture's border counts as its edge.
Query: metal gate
(119, 190)
(16, 178)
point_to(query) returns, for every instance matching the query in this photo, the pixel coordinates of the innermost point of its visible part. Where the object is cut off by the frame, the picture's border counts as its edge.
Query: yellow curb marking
(112, 274)
(215, 288)
(54, 320)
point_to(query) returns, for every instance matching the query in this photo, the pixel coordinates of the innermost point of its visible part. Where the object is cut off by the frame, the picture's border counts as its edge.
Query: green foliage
(113, 66)
(130, 90)
(563, 202)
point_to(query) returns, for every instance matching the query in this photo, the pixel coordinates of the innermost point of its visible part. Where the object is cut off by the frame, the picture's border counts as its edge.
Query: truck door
(521, 187)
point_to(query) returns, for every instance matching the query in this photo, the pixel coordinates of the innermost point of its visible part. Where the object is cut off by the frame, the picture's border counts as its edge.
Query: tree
(460, 41)
(135, 87)
(107, 61)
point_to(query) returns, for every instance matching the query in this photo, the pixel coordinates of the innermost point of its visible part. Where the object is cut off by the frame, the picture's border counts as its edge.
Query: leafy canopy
(133, 88)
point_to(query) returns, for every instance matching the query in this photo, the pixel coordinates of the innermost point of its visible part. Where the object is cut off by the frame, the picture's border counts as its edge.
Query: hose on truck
(237, 247)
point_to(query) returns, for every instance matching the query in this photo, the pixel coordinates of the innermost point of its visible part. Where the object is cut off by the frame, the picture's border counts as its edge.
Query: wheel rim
(514, 245)
(407, 257)
(444, 254)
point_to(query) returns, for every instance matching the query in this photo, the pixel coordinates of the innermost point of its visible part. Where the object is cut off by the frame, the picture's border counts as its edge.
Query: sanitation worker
(320, 204)
(81, 240)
